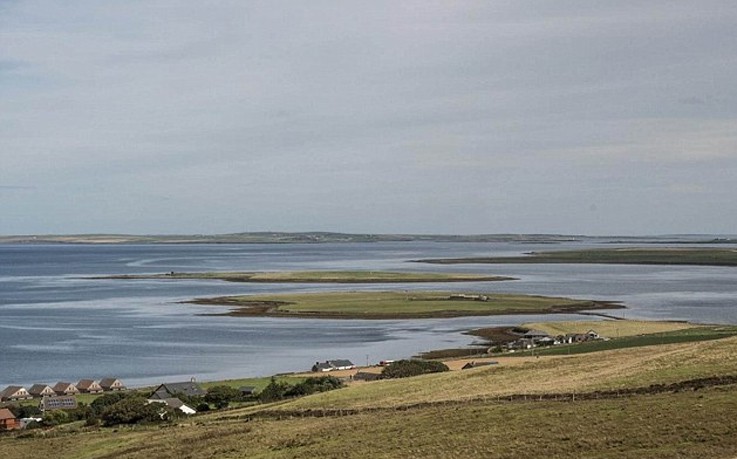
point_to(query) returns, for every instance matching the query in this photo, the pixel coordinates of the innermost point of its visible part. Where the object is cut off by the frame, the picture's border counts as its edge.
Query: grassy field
(327, 277)
(457, 415)
(644, 256)
(687, 335)
(609, 328)
(396, 305)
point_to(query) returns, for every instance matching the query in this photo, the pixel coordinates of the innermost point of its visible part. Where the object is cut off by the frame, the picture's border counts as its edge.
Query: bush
(54, 418)
(414, 367)
(221, 396)
(313, 385)
(276, 390)
(134, 410)
(25, 411)
(104, 401)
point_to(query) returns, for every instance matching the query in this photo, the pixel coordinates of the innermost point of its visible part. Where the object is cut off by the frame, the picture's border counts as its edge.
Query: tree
(413, 367)
(102, 402)
(25, 411)
(54, 418)
(221, 396)
(276, 390)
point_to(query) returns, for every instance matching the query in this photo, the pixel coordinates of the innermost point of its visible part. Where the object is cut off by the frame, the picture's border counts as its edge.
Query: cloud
(287, 113)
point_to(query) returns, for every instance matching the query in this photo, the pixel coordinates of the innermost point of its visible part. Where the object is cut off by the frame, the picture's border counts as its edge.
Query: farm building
(111, 384)
(11, 393)
(62, 402)
(8, 420)
(331, 365)
(65, 388)
(41, 390)
(89, 386)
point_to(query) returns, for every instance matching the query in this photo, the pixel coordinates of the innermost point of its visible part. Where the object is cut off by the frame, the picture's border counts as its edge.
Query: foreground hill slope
(462, 414)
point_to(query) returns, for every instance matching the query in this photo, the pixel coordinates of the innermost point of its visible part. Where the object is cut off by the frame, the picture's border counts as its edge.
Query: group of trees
(279, 390)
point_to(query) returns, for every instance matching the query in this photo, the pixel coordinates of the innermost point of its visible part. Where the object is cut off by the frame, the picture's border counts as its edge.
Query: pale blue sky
(593, 117)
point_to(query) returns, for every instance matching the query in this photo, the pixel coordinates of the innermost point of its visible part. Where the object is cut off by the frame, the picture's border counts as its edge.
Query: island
(398, 305)
(318, 277)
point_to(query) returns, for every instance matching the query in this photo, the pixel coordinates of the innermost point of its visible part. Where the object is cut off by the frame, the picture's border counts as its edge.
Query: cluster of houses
(85, 386)
(60, 396)
(536, 338)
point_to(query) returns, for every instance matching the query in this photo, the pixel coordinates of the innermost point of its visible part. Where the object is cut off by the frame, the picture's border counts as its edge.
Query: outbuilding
(8, 421)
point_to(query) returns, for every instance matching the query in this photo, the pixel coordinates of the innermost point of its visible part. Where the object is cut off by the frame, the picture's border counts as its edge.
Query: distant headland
(316, 237)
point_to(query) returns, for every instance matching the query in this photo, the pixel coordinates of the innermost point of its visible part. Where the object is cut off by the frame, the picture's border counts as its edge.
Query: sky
(464, 117)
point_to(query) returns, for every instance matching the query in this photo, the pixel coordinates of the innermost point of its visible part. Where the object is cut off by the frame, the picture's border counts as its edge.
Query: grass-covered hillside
(686, 410)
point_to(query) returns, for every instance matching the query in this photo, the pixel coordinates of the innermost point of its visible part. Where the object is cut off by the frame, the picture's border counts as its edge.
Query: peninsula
(629, 256)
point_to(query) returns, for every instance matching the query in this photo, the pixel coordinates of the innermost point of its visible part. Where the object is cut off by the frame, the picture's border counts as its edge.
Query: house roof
(341, 363)
(6, 414)
(249, 389)
(87, 383)
(108, 382)
(189, 388)
(63, 386)
(10, 390)
(38, 388)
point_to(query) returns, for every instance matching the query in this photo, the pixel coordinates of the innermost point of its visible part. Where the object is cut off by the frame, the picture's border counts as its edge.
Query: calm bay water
(57, 324)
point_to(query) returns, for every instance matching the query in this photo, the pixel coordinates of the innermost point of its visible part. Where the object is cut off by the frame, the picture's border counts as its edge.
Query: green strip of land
(397, 305)
(318, 277)
(630, 256)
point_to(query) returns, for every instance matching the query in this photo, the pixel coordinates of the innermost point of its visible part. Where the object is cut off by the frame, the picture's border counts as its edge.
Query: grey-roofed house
(15, 393)
(111, 384)
(169, 390)
(41, 390)
(65, 388)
